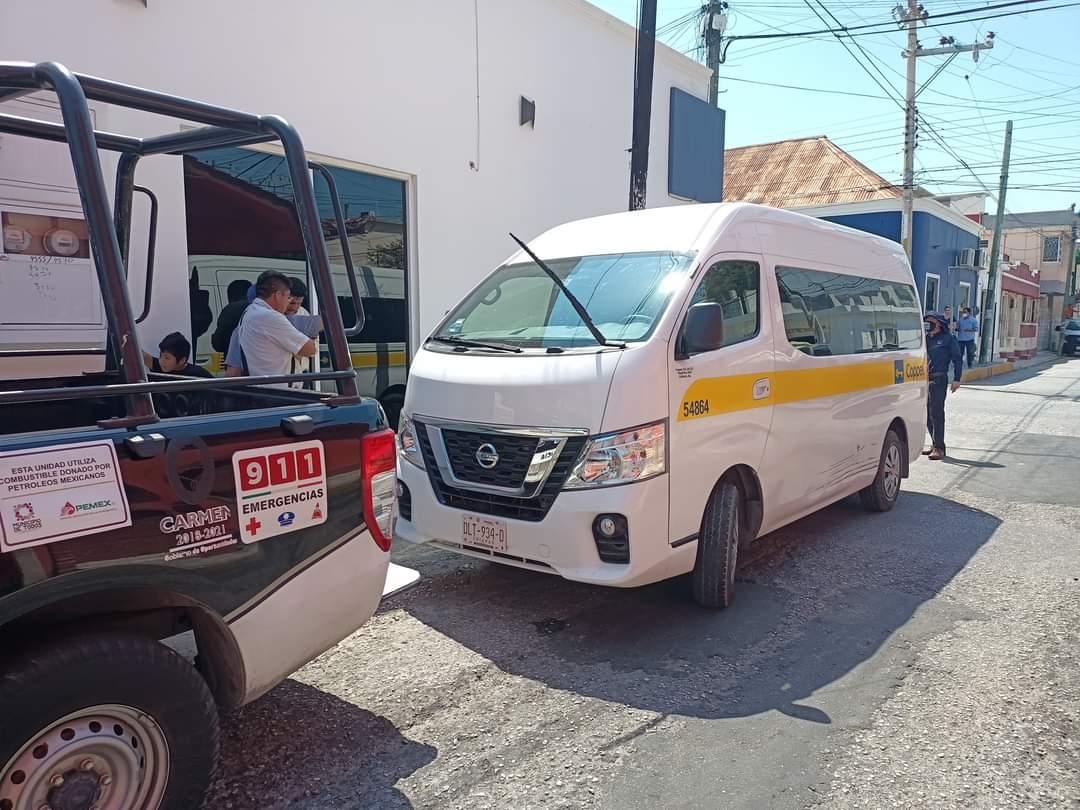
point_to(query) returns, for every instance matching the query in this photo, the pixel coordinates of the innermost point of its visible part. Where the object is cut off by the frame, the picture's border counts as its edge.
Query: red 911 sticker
(280, 489)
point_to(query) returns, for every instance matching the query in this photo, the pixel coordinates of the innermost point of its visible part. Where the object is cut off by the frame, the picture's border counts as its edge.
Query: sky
(1032, 75)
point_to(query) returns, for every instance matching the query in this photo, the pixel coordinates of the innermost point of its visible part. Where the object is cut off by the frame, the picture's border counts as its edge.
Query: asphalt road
(923, 658)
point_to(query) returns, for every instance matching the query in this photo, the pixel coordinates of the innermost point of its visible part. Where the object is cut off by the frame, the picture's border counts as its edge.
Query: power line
(887, 26)
(887, 88)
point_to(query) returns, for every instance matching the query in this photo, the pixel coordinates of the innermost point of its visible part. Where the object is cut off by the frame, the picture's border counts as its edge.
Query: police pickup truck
(255, 519)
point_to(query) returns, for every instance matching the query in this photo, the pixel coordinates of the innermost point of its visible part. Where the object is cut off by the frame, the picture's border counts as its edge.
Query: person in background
(296, 314)
(310, 325)
(297, 295)
(174, 352)
(942, 351)
(949, 319)
(229, 317)
(267, 343)
(967, 329)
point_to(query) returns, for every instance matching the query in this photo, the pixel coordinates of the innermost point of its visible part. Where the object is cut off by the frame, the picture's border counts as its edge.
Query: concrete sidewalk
(1007, 366)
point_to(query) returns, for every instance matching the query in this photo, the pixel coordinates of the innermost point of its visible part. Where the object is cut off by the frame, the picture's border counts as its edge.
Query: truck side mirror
(1057, 328)
(703, 330)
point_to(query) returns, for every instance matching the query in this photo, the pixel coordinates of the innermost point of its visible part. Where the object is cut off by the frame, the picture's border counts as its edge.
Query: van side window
(829, 314)
(734, 285)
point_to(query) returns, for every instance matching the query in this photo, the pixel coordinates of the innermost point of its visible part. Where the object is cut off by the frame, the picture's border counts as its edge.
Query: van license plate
(483, 532)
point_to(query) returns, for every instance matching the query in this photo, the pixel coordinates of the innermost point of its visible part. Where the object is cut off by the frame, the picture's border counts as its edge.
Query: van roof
(682, 229)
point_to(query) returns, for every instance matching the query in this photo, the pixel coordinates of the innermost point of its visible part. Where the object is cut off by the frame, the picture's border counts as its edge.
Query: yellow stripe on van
(713, 396)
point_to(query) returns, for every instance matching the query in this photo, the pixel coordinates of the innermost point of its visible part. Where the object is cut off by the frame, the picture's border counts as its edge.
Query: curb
(1006, 367)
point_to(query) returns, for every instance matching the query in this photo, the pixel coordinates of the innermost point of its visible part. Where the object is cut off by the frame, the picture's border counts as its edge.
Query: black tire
(883, 493)
(108, 672)
(713, 578)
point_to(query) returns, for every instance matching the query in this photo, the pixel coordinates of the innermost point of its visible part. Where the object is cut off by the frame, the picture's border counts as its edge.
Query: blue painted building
(944, 246)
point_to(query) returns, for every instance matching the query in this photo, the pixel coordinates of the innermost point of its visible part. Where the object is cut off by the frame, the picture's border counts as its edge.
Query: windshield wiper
(579, 308)
(475, 344)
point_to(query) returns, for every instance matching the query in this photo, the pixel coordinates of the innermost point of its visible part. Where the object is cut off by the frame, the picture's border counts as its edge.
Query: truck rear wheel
(114, 722)
(713, 578)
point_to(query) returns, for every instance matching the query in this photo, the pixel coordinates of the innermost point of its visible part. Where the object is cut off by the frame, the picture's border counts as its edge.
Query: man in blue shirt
(942, 351)
(967, 329)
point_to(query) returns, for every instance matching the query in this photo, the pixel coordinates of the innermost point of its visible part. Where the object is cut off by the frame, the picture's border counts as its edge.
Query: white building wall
(427, 91)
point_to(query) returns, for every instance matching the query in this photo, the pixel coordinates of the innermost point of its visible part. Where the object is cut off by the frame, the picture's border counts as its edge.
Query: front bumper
(562, 543)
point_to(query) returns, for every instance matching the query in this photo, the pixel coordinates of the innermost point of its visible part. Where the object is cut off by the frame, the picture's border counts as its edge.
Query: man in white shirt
(268, 341)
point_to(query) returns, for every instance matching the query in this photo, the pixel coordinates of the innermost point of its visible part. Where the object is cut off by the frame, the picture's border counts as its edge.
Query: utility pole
(713, 25)
(1070, 274)
(643, 87)
(989, 315)
(910, 19)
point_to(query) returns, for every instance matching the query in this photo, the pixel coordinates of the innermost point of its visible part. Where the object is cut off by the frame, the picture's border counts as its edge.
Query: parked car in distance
(1070, 336)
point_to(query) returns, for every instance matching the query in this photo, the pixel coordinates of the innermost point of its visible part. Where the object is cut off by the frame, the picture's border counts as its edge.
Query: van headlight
(621, 458)
(408, 446)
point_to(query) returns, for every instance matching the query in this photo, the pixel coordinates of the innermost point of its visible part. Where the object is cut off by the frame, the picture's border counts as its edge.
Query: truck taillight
(378, 472)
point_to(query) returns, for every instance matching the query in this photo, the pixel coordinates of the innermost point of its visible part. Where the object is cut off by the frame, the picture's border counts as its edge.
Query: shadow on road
(310, 742)
(814, 601)
(980, 465)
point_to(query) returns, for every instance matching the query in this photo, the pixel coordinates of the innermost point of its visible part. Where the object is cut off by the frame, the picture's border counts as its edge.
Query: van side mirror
(703, 330)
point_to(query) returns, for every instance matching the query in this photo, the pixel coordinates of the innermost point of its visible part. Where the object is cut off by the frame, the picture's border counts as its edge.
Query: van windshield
(624, 293)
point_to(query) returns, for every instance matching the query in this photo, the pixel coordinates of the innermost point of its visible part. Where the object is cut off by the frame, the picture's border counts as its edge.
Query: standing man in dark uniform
(942, 350)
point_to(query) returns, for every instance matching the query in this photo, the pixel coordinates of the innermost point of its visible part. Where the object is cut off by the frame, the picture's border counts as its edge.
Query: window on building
(735, 286)
(1031, 310)
(931, 292)
(964, 297)
(834, 314)
(241, 220)
(1051, 249)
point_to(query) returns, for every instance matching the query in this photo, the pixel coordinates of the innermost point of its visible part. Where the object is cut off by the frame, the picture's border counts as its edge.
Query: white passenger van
(740, 367)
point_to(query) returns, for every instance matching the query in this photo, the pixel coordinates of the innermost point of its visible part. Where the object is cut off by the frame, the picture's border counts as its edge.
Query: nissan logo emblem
(487, 456)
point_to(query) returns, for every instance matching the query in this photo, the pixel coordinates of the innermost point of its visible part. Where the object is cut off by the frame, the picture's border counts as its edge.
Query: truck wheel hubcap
(108, 757)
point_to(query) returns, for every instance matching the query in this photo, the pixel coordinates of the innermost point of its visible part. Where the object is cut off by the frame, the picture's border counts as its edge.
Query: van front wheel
(882, 494)
(713, 579)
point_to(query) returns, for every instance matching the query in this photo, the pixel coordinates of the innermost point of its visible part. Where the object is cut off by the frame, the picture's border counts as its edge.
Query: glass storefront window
(241, 220)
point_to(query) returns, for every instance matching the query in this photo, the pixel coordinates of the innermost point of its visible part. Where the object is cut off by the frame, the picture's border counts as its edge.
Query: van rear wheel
(883, 493)
(713, 578)
(108, 721)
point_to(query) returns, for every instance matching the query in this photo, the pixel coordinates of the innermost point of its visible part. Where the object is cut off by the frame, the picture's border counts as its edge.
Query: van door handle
(762, 388)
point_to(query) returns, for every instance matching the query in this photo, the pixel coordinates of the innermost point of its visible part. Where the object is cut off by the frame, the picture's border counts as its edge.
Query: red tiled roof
(800, 173)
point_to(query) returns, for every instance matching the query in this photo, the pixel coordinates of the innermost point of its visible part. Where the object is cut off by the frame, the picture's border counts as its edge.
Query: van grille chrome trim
(537, 463)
